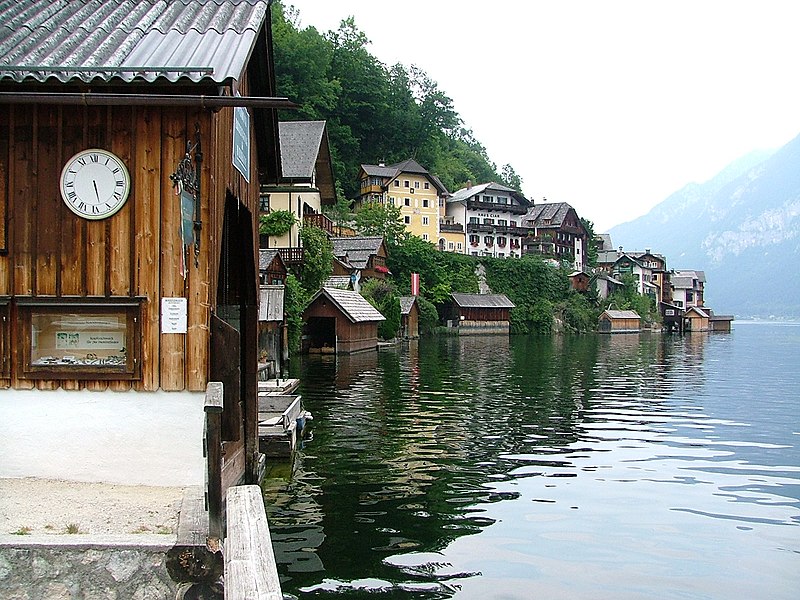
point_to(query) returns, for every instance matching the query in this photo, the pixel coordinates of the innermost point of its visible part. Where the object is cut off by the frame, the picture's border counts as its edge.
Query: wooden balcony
(319, 220)
(291, 256)
(515, 209)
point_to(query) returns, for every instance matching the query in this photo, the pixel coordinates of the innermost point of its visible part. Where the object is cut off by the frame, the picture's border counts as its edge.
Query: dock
(281, 417)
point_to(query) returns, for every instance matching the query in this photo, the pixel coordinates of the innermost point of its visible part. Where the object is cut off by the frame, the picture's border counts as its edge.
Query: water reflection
(612, 466)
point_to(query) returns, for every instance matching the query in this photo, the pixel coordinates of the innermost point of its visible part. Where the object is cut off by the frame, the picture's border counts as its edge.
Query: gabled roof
(482, 300)
(468, 192)
(550, 214)
(300, 146)
(357, 250)
(391, 172)
(266, 256)
(699, 311)
(406, 304)
(351, 304)
(605, 241)
(128, 40)
(621, 314)
(270, 305)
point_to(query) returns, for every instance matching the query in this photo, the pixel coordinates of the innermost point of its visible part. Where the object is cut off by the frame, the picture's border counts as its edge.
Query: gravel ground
(47, 506)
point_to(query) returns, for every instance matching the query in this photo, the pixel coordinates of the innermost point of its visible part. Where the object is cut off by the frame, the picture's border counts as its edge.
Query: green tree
(383, 296)
(295, 302)
(428, 316)
(375, 218)
(317, 258)
(591, 250)
(276, 222)
(510, 178)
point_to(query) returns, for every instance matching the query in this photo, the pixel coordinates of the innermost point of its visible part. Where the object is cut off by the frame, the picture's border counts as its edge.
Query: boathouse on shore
(340, 321)
(409, 317)
(134, 139)
(619, 321)
(479, 314)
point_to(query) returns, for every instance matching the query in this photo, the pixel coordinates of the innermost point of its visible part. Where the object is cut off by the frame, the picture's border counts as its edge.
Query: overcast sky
(609, 105)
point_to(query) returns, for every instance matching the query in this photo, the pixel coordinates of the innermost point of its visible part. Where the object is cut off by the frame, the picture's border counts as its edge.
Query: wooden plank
(73, 230)
(194, 558)
(120, 239)
(49, 202)
(147, 177)
(21, 213)
(213, 451)
(5, 272)
(173, 148)
(250, 569)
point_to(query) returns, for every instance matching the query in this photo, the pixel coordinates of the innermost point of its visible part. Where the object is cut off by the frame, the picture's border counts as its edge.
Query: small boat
(281, 421)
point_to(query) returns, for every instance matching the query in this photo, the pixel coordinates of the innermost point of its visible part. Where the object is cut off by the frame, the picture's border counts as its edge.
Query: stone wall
(77, 567)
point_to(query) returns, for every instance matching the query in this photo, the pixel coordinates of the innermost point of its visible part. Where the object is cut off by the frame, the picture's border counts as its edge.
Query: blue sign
(241, 141)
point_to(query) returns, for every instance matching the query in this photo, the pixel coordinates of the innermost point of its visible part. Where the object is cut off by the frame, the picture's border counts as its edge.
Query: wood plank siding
(48, 252)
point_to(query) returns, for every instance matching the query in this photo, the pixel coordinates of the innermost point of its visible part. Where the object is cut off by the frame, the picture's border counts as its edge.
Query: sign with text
(173, 315)
(241, 141)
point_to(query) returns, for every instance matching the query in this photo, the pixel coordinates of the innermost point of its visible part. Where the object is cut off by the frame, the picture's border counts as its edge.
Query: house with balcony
(648, 268)
(555, 230)
(688, 287)
(306, 184)
(409, 186)
(491, 215)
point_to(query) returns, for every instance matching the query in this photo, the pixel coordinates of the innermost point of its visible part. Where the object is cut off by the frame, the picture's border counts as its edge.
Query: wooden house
(341, 322)
(556, 230)
(720, 323)
(134, 139)
(696, 319)
(479, 313)
(619, 321)
(579, 280)
(409, 317)
(363, 257)
(271, 268)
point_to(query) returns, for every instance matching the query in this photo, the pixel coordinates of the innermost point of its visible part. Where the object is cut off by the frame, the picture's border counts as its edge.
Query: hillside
(742, 228)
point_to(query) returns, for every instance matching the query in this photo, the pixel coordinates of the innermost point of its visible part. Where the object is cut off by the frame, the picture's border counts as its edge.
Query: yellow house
(409, 186)
(307, 182)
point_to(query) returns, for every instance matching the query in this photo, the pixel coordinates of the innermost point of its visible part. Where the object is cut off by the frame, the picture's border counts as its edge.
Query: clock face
(95, 184)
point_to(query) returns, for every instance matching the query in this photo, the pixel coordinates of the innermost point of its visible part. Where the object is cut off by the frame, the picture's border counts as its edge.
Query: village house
(688, 288)
(306, 185)
(360, 258)
(133, 146)
(555, 230)
(409, 186)
(491, 216)
(649, 271)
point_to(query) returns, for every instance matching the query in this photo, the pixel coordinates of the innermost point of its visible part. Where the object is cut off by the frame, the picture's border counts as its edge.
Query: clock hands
(96, 193)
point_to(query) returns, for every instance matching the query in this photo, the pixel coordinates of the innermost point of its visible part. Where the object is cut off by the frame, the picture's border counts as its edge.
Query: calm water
(569, 467)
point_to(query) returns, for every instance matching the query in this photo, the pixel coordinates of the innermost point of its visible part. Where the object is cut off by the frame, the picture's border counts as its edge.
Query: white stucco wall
(134, 438)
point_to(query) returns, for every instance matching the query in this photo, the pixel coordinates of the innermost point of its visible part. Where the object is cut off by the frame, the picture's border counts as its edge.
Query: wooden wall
(48, 251)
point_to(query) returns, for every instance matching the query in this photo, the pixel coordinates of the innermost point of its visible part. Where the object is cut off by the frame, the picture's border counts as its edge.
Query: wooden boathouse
(130, 169)
(619, 321)
(340, 321)
(409, 317)
(479, 314)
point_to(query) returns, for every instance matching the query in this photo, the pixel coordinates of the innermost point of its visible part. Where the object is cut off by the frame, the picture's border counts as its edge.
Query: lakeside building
(491, 216)
(409, 186)
(479, 314)
(555, 230)
(688, 288)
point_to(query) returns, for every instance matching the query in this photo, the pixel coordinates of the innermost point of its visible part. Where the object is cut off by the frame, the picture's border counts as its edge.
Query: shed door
(225, 368)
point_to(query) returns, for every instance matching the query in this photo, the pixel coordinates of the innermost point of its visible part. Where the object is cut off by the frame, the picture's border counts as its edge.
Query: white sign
(173, 315)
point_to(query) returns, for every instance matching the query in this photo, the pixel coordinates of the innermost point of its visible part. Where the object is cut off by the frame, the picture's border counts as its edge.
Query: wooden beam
(250, 569)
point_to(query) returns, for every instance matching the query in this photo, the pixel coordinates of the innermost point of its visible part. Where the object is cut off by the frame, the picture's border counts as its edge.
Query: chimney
(620, 250)
(647, 250)
(469, 184)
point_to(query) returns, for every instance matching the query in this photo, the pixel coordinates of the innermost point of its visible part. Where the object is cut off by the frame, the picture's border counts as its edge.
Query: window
(488, 240)
(441, 202)
(407, 201)
(501, 241)
(396, 183)
(460, 246)
(86, 339)
(425, 203)
(488, 199)
(488, 221)
(451, 246)
(424, 220)
(391, 200)
(405, 183)
(416, 184)
(502, 200)
(474, 220)
(425, 236)
(502, 222)
(407, 219)
(474, 239)
(427, 185)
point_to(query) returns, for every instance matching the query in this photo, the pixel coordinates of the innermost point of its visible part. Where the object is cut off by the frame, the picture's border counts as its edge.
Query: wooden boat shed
(479, 314)
(409, 317)
(619, 321)
(340, 321)
(134, 138)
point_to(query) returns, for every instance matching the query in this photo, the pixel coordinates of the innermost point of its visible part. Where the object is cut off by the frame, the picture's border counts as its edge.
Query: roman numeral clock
(95, 184)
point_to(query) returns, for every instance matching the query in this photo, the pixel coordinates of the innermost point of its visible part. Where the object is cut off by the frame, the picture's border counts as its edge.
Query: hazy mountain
(742, 228)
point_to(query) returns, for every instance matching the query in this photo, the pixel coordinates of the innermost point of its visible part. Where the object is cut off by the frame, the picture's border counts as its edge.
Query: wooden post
(213, 451)
(250, 570)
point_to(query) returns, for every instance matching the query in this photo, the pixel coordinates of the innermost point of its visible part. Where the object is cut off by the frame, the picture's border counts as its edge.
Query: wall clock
(95, 184)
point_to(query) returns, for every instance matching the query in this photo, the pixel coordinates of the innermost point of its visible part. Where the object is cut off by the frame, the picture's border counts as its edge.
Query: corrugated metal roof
(300, 146)
(352, 304)
(270, 306)
(44, 38)
(482, 300)
(622, 314)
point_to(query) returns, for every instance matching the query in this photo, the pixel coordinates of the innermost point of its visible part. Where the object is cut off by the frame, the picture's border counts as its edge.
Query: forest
(378, 113)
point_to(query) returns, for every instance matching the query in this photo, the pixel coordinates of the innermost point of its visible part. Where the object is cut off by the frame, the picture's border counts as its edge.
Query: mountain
(742, 228)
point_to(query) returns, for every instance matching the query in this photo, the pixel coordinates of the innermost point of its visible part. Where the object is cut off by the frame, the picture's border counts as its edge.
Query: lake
(623, 466)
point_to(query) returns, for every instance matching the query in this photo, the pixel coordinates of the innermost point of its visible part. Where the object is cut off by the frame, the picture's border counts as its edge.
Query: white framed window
(396, 183)
(460, 246)
(407, 219)
(416, 184)
(427, 185)
(451, 246)
(407, 201)
(425, 236)
(425, 203)
(424, 220)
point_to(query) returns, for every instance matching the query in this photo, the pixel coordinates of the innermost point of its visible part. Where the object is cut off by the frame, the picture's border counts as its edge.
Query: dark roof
(390, 172)
(406, 303)
(550, 214)
(352, 305)
(482, 300)
(266, 256)
(468, 192)
(128, 40)
(357, 249)
(300, 145)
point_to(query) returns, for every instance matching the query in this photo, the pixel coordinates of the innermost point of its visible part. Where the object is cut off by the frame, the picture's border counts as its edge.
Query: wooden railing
(250, 569)
(291, 256)
(212, 448)
(319, 220)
